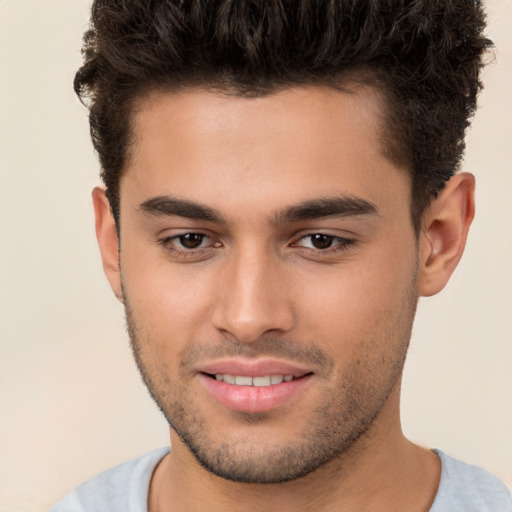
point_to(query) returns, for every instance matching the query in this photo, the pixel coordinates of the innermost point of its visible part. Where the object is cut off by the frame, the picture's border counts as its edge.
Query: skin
(258, 287)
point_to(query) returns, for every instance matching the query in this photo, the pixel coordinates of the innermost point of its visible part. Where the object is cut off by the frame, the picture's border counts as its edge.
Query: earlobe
(108, 241)
(445, 229)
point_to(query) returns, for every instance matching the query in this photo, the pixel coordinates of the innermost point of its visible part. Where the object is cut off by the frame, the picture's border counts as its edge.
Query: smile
(257, 394)
(244, 380)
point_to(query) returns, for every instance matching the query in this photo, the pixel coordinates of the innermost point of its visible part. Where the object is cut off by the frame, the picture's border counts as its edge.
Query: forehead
(298, 143)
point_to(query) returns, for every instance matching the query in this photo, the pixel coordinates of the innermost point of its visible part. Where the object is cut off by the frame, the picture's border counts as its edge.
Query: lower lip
(254, 398)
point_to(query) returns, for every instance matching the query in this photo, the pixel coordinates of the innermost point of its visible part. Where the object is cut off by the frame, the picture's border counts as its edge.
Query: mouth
(246, 380)
(254, 387)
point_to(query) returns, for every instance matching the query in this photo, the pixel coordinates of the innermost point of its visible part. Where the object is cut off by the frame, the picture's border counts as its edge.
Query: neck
(382, 471)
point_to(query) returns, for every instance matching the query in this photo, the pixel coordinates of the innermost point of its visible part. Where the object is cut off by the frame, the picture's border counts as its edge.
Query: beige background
(71, 402)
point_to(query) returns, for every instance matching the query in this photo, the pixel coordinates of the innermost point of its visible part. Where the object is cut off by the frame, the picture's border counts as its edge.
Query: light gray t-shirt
(124, 488)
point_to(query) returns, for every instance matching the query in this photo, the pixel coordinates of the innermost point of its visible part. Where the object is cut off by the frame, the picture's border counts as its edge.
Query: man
(280, 189)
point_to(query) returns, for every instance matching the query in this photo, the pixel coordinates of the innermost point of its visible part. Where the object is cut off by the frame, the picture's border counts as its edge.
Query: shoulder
(123, 488)
(469, 488)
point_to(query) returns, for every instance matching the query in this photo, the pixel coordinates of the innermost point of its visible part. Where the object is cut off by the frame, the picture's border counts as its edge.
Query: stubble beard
(345, 415)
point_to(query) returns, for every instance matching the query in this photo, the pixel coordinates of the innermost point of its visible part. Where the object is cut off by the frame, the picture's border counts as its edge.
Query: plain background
(71, 401)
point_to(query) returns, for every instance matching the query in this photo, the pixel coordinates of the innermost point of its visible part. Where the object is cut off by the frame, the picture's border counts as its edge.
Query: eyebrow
(166, 205)
(337, 206)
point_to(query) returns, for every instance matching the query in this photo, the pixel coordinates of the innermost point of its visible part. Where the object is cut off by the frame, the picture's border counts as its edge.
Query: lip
(253, 399)
(257, 368)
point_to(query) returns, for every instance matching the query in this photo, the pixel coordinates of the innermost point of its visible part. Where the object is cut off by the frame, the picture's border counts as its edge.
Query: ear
(444, 233)
(108, 241)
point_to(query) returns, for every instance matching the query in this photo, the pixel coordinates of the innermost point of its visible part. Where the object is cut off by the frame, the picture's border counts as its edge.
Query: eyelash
(341, 244)
(185, 253)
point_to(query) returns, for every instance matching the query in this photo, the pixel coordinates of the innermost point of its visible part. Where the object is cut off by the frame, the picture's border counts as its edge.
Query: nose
(253, 298)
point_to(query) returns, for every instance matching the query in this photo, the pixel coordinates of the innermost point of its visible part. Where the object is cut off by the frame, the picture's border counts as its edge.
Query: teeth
(261, 381)
(243, 380)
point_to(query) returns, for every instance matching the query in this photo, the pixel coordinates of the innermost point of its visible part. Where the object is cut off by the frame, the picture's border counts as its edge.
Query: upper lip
(250, 368)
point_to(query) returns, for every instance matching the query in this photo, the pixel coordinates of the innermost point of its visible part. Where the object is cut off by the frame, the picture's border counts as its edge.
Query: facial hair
(350, 403)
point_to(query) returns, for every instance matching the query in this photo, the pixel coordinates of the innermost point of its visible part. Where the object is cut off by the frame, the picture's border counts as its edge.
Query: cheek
(360, 300)
(169, 302)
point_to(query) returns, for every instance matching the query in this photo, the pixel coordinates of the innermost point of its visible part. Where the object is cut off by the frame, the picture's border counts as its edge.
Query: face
(268, 266)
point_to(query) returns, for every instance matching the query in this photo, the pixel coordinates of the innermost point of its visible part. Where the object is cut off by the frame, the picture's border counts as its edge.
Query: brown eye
(191, 240)
(190, 247)
(321, 241)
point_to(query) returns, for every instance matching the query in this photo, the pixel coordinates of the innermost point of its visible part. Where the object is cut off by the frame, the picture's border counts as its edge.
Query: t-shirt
(124, 488)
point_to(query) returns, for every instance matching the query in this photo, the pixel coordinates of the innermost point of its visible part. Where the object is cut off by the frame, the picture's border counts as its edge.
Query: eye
(191, 240)
(321, 241)
(188, 243)
(318, 241)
